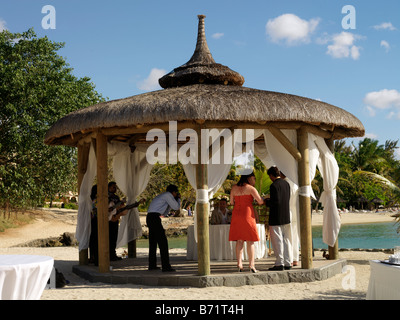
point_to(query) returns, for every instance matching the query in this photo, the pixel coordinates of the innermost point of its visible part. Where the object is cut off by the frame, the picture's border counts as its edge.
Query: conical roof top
(201, 68)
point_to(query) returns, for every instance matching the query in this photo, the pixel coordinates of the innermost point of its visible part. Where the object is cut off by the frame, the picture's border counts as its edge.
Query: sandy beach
(58, 222)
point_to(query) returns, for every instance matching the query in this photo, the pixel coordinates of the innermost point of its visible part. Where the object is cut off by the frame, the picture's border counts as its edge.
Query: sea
(381, 235)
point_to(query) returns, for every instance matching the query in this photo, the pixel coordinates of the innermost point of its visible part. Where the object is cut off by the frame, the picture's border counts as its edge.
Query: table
(220, 246)
(384, 282)
(24, 277)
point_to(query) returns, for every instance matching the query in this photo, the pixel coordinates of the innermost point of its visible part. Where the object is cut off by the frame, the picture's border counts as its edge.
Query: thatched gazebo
(289, 131)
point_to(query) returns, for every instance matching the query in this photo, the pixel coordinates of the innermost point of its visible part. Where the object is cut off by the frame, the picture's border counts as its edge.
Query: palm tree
(368, 169)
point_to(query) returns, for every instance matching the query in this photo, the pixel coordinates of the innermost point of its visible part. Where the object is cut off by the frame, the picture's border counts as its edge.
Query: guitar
(116, 216)
(128, 207)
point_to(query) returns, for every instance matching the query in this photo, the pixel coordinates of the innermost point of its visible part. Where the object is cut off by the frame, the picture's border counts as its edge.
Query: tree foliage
(37, 88)
(368, 170)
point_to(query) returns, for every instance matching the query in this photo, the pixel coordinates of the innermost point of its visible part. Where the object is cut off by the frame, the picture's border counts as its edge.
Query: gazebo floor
(223, 273)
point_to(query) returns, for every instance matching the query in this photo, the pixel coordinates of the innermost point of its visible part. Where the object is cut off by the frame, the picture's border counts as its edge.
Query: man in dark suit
(279, 220)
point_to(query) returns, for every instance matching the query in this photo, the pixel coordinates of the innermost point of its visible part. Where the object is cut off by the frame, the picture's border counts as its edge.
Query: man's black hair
(172, 188)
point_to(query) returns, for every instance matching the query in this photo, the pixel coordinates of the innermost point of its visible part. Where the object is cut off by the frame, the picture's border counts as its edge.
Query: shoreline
(357, 218)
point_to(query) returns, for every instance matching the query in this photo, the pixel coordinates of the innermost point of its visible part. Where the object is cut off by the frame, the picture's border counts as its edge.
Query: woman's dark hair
(244, 179)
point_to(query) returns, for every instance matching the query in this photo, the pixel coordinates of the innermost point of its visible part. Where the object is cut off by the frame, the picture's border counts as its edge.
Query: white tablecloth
(24, 277)
(220, 246)
(384, 281)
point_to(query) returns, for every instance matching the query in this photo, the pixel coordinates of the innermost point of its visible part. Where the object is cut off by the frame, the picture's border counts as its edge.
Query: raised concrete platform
(223, 273)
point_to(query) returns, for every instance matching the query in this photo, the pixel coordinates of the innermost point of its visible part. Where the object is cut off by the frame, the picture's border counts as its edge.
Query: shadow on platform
(223, 273)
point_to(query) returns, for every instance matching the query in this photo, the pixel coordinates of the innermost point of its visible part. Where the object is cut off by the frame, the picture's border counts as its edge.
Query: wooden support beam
(305, 203)
(202, 212)
(102, 203)
(286, 143)
(132, 249)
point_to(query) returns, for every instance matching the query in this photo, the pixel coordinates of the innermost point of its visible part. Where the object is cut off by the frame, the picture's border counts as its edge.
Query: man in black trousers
(279, 220)
(160, 206)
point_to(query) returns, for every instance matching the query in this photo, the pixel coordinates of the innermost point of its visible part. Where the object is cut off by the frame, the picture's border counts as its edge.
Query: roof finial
(202, 53)
(201, 68)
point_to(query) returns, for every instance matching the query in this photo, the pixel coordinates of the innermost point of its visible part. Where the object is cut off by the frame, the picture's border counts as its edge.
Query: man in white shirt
(160, 206)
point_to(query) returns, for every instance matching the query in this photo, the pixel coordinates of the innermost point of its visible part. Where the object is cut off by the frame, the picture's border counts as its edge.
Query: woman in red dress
(244, 218)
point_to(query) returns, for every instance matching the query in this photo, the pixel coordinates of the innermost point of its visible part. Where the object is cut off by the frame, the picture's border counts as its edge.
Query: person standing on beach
(244, 218)
(279, 220)
(160, 206)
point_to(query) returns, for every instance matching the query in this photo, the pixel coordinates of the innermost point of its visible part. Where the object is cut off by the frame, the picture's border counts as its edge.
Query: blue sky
(308, 48)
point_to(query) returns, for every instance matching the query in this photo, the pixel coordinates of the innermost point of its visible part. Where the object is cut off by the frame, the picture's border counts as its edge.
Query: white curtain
(273, 153)
(216, 175)
(276, 154)
(131, 173)
(83, 228)
(329, 170)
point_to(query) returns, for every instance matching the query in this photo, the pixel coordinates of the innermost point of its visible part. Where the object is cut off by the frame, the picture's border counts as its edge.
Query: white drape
(216, 173)
(273, 153)
(131, 173)
(329, 170)
(83, 228)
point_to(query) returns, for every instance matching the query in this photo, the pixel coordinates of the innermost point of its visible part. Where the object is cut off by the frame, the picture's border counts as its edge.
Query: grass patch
(15, 220)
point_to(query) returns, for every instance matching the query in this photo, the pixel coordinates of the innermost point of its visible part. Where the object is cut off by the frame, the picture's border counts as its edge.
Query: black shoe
(287, 267)
(276, 268)
(170, 269)
(153, 268)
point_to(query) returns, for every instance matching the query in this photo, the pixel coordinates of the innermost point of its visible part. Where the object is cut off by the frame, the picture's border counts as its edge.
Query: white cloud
(151, 82)
(385, 26)
(217, 35)
(371, 111)
(393, 115)
(290, 29)
(2, 25)
(370, 135)
(386, 45)
(384, 99)
(343, 46)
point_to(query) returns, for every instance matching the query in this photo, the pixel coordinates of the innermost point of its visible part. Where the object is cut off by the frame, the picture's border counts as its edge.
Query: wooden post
(202, 211)
(102, 203)
(333, 251)
(305, 203)
(132, 249)
(83, 157)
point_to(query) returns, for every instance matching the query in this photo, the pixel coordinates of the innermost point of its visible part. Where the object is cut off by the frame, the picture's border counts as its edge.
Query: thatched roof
(203, 91)
(209, 103)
